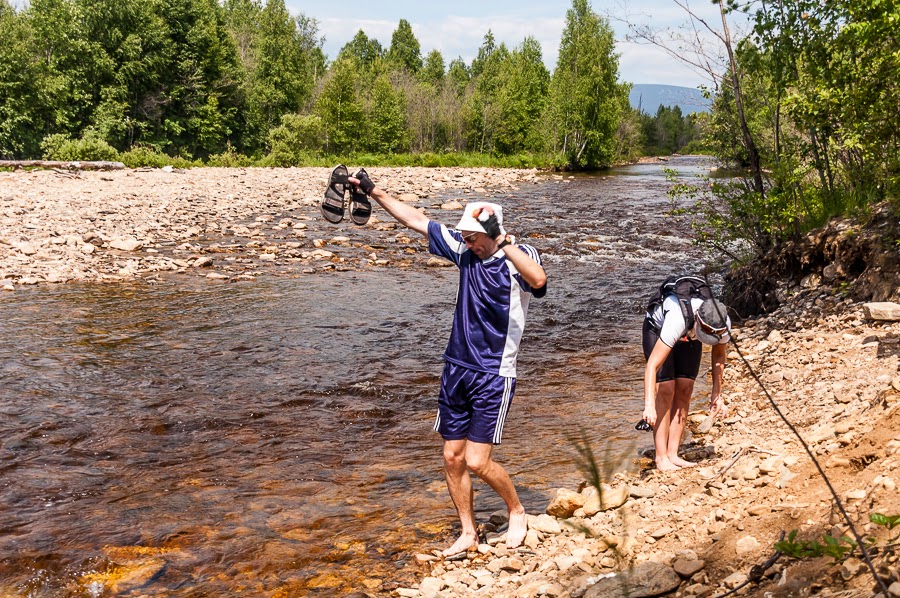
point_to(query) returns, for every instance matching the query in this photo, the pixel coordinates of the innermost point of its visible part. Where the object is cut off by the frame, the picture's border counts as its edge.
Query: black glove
(490, 225)
(365, 183)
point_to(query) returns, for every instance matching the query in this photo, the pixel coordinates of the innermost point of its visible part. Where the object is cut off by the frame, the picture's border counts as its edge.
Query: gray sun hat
(711, 324)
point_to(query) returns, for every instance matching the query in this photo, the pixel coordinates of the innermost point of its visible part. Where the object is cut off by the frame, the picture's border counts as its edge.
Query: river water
(274, 436)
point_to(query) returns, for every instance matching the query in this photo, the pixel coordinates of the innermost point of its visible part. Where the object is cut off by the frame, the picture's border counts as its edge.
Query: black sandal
(360, 206)
(333, 202)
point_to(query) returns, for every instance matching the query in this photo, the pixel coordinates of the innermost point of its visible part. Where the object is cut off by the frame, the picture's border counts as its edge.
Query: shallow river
(275, 435)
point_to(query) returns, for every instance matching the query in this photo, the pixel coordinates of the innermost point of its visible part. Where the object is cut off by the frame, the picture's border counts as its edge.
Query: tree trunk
(73, 165)
(752, 151)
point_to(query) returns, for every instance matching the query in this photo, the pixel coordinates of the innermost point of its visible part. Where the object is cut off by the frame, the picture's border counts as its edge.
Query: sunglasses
(643, 426)
(716, 332)
(470, 238)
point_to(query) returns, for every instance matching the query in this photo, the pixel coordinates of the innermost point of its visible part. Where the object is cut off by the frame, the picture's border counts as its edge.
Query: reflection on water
(276, 434)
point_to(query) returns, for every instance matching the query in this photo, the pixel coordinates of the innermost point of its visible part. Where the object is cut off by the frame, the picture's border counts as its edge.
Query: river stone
(25, 247)
(699, 590)
(647, 579)
(126, 244)
(565, 503)
(138, 574)
(823, 433)
(438, 262)
(885, 310)
(544, 523)
(613, 498)
(641, 491)
(687, 568)
(566, 562)
(661, 533)
(746, 544)
(734, 580)
(430, 586)
(592, 501)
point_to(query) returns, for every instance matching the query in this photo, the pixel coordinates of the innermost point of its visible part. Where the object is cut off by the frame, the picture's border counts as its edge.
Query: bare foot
(518, 527)
(682, 462)
(463, 543)
(666, 466)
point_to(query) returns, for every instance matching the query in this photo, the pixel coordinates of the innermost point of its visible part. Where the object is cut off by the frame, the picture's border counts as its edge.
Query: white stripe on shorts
(504, 408)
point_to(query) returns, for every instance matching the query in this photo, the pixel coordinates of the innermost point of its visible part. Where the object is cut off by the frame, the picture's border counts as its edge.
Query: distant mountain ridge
(648, 98)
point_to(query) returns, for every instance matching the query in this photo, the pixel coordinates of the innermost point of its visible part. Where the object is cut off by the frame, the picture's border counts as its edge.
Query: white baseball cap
(469, 221)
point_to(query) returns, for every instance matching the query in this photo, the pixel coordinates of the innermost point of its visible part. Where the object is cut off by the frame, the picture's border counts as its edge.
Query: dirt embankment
(831, 370)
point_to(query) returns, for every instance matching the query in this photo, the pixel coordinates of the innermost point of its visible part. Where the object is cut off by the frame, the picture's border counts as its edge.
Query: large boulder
(647, 579)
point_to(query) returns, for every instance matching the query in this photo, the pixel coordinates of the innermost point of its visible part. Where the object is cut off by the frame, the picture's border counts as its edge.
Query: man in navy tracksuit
(497, 278)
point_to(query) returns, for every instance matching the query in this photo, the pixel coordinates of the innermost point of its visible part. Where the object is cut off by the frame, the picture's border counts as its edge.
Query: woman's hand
(717, 407)
(649, 415)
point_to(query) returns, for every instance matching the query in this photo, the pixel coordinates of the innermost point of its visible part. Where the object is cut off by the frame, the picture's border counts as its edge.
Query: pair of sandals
(335, 193)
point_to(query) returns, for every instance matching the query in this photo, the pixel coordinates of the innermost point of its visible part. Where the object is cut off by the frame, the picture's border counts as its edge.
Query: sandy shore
(222, 223)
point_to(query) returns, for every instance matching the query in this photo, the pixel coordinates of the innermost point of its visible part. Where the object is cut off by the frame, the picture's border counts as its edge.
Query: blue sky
(458, 27)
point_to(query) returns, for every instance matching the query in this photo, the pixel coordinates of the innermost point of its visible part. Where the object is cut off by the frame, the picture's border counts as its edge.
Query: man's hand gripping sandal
(360, 206)
(333, 202)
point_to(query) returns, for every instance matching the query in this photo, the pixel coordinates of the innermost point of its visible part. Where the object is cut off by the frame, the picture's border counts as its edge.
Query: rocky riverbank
(225, 224)
(707, 530)
(824, 362)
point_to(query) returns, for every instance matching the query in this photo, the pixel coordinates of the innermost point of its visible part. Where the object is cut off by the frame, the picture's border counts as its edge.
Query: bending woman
(673, 348)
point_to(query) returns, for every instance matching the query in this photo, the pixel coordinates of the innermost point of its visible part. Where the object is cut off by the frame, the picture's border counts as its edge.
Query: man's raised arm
(404, 214)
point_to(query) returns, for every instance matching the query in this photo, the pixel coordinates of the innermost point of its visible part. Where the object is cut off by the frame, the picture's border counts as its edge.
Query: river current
(275, 435)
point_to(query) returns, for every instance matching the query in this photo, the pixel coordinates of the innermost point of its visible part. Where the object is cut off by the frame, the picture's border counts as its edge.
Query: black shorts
(683, 361)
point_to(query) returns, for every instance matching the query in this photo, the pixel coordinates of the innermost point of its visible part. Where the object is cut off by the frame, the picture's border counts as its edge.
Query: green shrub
(296, 140)
(60, 146)
(696, 147)
(230, 159)
(141, 156)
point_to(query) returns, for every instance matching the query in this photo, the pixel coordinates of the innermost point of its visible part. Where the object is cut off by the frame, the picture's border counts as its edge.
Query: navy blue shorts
(473, 405)
(683, 360)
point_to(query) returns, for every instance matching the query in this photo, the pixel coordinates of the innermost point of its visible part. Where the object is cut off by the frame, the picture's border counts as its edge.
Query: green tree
(458, 75)
(281, 58)
(523, 81)
(22, 110)
(387, 131)
(483, 107)
(201, 83)
(281, 81)
(364, 50)
(585, 97)
(433, 71)
(405, 52)
(340, 108)
(488, 45)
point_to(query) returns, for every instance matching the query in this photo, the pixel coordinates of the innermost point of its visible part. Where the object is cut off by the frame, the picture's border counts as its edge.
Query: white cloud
(461, 36)
(452, 36)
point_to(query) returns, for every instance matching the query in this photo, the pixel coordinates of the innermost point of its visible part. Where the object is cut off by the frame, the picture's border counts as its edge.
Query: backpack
(684, 288)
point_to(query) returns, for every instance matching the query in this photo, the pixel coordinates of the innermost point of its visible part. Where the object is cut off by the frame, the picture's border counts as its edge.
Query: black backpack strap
(687, 312)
